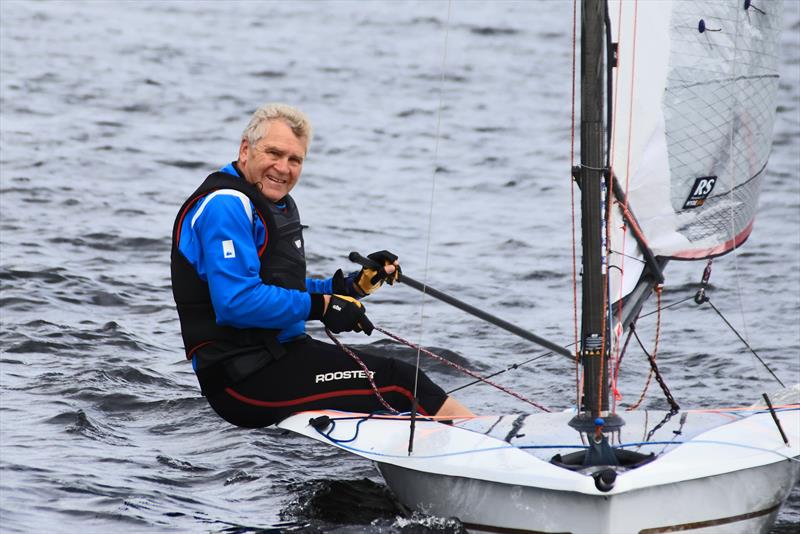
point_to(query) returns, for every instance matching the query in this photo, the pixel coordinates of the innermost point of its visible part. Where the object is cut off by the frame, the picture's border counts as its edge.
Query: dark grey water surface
(112, 112)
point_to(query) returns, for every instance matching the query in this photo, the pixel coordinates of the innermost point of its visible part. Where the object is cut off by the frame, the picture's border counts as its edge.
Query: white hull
(712, 472)
(744, 502)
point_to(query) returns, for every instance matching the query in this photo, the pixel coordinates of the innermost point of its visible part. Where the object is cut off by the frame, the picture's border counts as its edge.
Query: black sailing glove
(368, 280)
(346, 314)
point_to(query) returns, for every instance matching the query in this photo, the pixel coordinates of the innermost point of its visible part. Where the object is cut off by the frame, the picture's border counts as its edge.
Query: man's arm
(322, 286)
(229, 262)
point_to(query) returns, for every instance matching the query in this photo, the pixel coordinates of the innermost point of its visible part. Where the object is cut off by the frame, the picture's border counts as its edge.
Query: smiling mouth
(276, 180)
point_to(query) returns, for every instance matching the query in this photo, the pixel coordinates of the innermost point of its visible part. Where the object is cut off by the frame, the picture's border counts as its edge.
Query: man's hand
(369, 280)
(345, 314)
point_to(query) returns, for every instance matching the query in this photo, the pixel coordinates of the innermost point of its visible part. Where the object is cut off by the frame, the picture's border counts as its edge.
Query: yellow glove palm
(370, 280)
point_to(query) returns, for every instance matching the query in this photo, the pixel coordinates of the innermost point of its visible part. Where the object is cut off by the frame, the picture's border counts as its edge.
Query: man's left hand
(369, 280)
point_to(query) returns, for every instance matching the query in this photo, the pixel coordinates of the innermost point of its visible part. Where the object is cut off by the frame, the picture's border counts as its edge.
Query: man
(240, 286)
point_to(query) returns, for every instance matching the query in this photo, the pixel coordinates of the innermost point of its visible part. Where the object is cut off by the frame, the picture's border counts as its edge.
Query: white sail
(694, 106)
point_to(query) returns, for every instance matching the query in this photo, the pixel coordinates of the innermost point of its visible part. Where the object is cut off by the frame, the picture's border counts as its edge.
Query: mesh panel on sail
(719, 110)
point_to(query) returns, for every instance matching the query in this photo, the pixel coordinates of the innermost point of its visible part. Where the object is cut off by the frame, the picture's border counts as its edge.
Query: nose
(282, 165)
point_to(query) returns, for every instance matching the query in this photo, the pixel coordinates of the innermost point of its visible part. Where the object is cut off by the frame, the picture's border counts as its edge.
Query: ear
(244, 149)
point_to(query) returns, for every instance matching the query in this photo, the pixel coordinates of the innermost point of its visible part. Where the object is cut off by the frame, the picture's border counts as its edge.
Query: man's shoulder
(223, 203)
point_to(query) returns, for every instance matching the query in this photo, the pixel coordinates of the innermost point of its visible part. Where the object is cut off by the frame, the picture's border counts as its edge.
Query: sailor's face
(275, 162)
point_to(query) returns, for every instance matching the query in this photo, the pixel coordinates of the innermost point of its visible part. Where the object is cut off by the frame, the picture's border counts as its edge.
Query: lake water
(113, 112)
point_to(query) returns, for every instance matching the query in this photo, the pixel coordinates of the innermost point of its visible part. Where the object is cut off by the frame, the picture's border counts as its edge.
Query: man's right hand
(345, 314)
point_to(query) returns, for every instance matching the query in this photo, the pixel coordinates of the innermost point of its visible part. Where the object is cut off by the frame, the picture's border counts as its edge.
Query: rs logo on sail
(342, 375)
(700, 190)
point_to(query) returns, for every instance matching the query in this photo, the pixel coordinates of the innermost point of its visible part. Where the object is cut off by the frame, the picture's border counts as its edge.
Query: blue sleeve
(231, 265)
(315, 285)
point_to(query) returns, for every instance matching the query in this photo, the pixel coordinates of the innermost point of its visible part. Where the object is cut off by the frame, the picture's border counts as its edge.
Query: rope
(460, 368)
(363, 366)
(617, 395)
(674, 407)
(614, 353)
(371, 452)
(617, 352)
(650, 357)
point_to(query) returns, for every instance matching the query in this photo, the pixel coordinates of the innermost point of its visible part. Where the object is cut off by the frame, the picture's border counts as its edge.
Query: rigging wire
(437, 136)
(658, 310)
(731, 134)
(631, 332)
(511, 367)
(460, 368)
(628, 256)
(578, 378)
(746, 344)
(701, 298)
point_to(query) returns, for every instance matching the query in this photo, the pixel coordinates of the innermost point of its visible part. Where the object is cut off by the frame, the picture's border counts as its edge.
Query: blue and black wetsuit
(238, 277)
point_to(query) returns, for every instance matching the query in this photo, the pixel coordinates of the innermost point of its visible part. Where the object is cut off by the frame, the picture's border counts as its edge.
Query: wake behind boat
(672, 158)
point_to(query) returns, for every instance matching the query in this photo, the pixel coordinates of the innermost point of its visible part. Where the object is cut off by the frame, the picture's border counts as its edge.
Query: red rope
(364, 367)
(628, 179)
(615, 349)
(655, 350)
(460, 368)
(630, 98)
(623, 206)
(619, 362)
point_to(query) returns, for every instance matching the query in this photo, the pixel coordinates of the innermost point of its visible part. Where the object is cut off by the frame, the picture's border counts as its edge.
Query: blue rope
(342, 442)
(377, 415)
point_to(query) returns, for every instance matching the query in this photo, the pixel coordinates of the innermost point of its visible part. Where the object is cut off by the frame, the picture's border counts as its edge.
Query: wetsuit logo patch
(227, 249)
(342, 375)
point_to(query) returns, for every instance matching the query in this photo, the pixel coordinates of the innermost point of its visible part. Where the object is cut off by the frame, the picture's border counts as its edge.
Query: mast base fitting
(584, 422)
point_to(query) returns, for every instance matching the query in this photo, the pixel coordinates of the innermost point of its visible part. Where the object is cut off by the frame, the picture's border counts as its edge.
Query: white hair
(293, 117)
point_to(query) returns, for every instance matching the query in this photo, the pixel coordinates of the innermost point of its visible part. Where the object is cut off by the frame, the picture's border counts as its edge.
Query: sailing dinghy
(672, 157)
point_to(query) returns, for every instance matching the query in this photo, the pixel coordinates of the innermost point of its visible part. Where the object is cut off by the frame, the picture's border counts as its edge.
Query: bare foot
(453, 408)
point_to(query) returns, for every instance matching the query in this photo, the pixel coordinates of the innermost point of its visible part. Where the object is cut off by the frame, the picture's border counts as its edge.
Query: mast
(594, 326)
